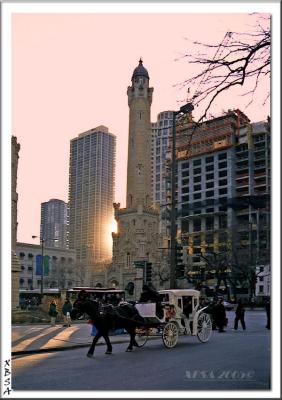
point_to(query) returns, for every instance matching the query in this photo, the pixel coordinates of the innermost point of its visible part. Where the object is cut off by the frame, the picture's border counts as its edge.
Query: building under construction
(223, 194)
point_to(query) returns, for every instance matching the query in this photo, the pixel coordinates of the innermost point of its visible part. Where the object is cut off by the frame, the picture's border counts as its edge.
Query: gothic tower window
(128, 259)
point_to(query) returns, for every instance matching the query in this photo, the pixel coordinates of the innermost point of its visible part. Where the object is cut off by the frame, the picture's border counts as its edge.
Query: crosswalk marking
(61, 336)
(27, 342)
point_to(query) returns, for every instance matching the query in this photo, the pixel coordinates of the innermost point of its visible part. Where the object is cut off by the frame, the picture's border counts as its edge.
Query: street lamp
(187, 108)
(42, 265)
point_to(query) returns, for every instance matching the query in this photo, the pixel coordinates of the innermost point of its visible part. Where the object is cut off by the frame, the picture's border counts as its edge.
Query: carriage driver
(150, 295)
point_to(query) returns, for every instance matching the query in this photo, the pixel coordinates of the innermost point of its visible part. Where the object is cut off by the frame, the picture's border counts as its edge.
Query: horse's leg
(131, 331)
(92, 347)
(108, 343)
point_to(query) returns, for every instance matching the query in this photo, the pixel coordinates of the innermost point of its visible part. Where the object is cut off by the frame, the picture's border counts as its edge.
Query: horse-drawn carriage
(182, 315)
(177, 312)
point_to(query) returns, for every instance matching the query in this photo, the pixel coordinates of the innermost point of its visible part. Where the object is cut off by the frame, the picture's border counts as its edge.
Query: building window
(209, 223)
(197, 171)
(197, 224)
(197, 162)
(210, 193)
(197, 187)
(222, 156)
(222, 221)
(260, 289)
(197, 179)
(128, 259)
(222, 165)
(209, 238)
(209, 185)
(209, 160)
(197, 196)
(222, 173)
(223, 182)
(209, 177)
(222, 191)
(261, 278)
(209, 167)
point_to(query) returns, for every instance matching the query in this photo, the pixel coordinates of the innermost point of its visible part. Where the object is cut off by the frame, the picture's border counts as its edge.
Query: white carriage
(182, 315)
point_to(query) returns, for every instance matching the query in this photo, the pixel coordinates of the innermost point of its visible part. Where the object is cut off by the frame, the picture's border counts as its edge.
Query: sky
(70, 73)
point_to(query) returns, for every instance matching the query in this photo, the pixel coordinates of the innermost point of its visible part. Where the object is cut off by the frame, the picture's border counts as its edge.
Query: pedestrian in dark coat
(267, 309)
(240, 316)
(220, 315)
(53, 312)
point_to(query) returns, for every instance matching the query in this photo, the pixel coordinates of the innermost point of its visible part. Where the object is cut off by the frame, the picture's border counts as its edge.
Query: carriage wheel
(204, 328)
(170, 335)
(141, 337)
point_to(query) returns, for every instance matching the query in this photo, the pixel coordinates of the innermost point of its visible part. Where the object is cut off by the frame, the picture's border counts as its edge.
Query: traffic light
(179, 267)
(148, 272)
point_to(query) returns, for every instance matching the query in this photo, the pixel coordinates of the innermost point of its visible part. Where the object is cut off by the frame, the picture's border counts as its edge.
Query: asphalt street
(235, 360)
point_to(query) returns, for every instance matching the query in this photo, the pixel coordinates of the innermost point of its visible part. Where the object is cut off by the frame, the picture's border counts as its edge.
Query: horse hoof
(108, 352)
(128, 350)
(90, 355)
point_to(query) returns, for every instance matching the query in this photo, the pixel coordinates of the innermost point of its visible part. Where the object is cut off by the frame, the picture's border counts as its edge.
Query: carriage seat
(148, 312)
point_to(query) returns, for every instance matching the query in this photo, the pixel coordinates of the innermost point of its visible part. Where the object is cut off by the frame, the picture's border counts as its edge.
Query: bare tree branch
(239, 58)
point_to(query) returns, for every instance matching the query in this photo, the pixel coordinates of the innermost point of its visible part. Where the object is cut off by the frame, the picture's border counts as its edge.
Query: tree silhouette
(238, 59)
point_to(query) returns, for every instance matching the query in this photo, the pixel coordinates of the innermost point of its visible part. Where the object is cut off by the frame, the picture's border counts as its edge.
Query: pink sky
(70, 73)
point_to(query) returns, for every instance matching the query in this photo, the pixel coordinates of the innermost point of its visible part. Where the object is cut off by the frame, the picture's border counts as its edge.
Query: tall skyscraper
(91, 194)
(54, 226)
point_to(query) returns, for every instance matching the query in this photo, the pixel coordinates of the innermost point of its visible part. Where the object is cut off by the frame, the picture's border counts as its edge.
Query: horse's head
(84, 306)
(77, 309)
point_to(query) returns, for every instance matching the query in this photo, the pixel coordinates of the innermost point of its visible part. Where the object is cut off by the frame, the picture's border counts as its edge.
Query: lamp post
(42, 265)
(187, 108)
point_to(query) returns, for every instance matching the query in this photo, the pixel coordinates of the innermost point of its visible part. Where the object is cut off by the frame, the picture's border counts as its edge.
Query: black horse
(106, 318)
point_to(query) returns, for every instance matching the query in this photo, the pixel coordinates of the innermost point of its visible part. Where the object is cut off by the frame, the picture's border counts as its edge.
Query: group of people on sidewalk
(66, 310)
(220, 321)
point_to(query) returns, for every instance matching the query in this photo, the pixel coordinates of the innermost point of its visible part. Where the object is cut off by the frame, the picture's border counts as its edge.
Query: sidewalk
(40, 338)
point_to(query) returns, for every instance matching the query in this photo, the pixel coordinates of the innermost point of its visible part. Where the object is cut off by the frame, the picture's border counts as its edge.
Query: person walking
(67, 307)
(53, 312)
(220, 315)
(240, 316)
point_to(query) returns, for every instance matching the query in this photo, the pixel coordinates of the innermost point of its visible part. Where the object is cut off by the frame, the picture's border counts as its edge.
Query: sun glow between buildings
(114, 226)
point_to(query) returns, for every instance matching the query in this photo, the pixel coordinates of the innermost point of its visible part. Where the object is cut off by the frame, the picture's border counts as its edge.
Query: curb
(62, 348)
(71, 347)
